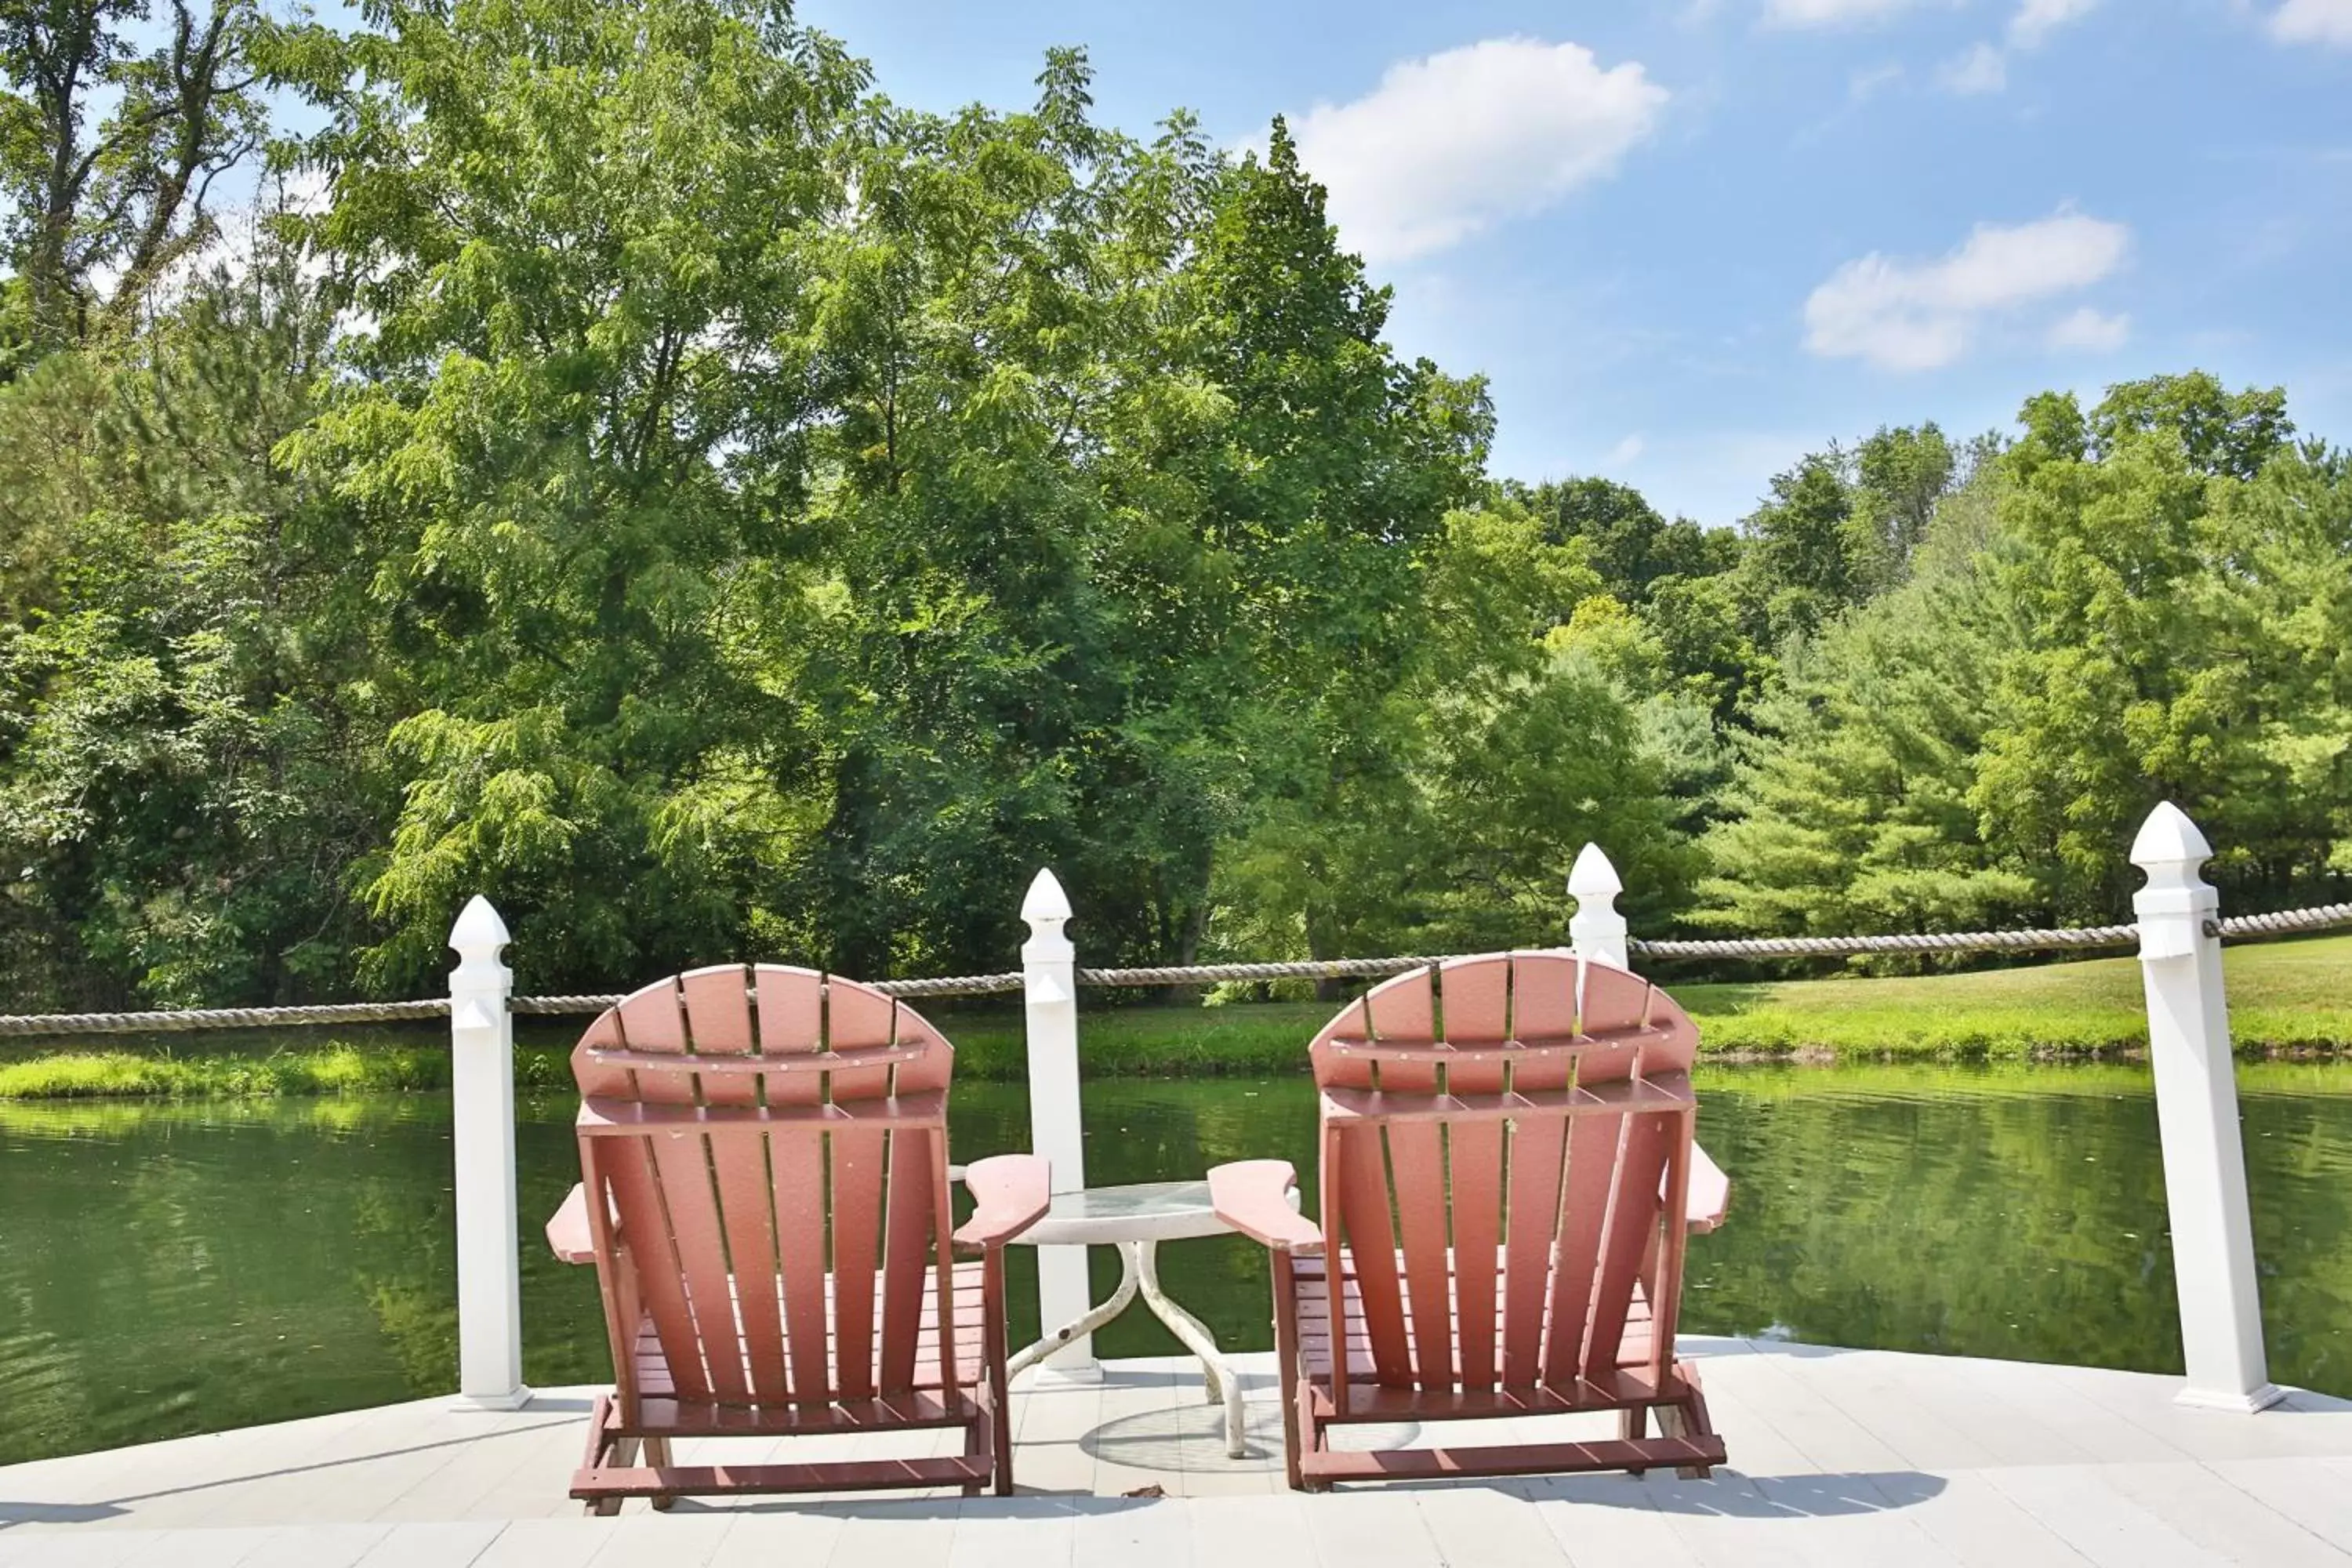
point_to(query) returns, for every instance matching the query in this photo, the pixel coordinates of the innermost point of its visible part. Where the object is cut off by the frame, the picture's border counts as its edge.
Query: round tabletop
(1148, 1211)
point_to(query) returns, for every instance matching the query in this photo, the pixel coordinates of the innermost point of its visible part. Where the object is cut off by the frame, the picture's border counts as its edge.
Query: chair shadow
(16, 1513)
(80, 1513)
(1022, 1505)
(1731, 1494)
(1734, 1494)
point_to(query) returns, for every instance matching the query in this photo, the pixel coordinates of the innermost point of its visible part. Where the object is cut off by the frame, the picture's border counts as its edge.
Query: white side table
(1136, 1220)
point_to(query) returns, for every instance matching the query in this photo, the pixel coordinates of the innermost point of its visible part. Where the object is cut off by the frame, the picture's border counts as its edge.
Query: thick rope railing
(222, 1018)
(2318, 918)
(938, 985)
(1304, 969)
(1922, 942)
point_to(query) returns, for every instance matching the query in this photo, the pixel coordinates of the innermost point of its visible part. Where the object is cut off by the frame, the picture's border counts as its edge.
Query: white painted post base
(2261, 1399)
(482, 1134)
(494, 1403)
(2197, 1120)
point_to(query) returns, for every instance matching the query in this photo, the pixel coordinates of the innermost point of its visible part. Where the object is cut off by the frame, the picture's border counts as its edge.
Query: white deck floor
(1837, 1456)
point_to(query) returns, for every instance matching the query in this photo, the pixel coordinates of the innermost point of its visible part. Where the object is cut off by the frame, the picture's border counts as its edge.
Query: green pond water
(174, 1269)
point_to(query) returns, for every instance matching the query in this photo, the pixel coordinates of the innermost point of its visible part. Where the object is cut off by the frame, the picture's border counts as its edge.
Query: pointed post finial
(1597, 932)
(1594, 875)
(2173, 905)
(478, 936)
(2168, 838)
(479, 933)
(1047, 910)
(1046, 901)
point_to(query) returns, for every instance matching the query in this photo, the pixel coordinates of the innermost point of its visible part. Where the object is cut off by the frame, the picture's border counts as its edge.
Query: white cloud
(2313, 22)
(1982, 69)
(1918, 315)
(1449, 145)
(1865, 85)
(2037, 19)
(1985, 68)
(2090, 330)
(1829, 13)
(1625, 453)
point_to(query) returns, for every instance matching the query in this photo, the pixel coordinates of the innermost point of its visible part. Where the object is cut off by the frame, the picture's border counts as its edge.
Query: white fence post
(1049, 986)
(481, 1093)
(2196, 1118)
(1596, 932)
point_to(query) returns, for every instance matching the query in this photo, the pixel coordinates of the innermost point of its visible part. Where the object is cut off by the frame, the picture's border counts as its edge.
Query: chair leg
(1634, 1424)
(1285, 1355)
(1310, 1438)
(976, 1445)
(1000, 1393)
(657, 1456)
(623, 1455)
(1688, 1418)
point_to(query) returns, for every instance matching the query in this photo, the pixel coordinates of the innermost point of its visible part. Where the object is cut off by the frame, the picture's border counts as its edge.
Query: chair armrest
(1710, 1192)
(567, 1230)
(1254, 1196)
(1011, 1192)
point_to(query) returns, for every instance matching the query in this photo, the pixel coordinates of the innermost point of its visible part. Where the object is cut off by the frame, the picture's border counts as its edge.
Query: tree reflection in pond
(173, 1269)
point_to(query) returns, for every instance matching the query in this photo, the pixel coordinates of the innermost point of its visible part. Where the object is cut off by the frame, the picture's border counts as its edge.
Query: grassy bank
(2286, 998)
(338, 1067)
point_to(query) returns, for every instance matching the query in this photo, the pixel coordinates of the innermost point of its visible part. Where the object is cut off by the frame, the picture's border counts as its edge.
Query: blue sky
(1690, 239)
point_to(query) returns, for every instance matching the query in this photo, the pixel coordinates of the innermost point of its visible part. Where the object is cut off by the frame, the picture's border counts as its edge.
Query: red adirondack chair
(765, 1197)
(1504, 1198)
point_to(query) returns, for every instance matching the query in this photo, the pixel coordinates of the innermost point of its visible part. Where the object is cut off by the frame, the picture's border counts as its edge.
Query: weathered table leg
(1143, 1260)
(1094, 1318)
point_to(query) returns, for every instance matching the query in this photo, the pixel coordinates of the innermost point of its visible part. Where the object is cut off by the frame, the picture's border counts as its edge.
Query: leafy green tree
(1504, 748)
(1900, 477)
(1630, 545)
(188, 751)
(1804, 564)
(1707, 652)
(1851, 808)
(2108, 614)
(2183, 578)
(1840, 529)
(2220, 432)
(109, 154)
(585, 237)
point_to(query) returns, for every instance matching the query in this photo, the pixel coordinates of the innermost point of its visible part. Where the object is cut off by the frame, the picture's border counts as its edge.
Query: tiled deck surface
(1838, 1457)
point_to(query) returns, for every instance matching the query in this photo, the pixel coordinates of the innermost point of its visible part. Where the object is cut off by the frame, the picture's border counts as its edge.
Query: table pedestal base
(1139, 1272)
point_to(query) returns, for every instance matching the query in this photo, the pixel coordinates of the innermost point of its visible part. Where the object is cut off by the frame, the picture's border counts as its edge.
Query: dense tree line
(643, 473)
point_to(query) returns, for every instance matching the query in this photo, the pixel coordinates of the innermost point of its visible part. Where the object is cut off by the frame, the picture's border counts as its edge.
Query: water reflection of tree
(166, 1269)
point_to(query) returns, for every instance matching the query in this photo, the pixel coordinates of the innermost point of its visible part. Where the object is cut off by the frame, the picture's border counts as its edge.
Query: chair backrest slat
(752, 1177)
(1416, 1159)
(1477, 994)
(1515, 1153)
(1632, 1230)
(1543, 1005)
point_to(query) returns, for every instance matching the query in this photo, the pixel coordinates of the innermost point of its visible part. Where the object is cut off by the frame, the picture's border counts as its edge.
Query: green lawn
(2286, 998)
